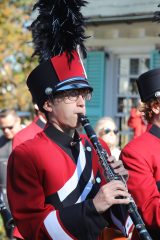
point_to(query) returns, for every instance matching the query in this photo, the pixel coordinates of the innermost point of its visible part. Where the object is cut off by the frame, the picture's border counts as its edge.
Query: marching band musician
(56, 189)
(141, 155)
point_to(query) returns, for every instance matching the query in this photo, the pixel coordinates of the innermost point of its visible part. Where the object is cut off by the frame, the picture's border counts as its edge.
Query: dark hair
(146, 109)
(6, 112)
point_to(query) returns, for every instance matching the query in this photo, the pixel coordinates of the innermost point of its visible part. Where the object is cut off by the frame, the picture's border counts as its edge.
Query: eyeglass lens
(74, 94)
(108, 130)
(8, 127)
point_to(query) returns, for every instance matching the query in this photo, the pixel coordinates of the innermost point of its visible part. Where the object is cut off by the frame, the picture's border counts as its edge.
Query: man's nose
(81, 100)
(5, 130)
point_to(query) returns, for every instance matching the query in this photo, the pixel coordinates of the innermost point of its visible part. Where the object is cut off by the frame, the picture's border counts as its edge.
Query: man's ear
(47, 106)
(36, 107)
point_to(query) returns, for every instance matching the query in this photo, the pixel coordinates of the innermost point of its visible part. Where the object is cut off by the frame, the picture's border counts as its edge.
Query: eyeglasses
(8, 127)
(73, 95)
(108, 130)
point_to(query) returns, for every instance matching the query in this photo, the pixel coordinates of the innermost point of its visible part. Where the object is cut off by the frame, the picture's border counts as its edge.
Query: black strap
(40, 123)
(155, 130)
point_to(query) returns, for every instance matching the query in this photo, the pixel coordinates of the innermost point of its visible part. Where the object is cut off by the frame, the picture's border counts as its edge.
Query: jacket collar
(60, 137)
(155, 130)
(39, 122)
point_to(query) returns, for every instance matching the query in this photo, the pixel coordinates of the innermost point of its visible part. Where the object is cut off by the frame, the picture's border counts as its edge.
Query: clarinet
(110, 175)
(7, 219)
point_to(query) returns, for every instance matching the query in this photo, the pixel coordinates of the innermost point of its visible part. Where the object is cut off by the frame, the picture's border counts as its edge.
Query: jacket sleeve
(16, 141)
(142, 185)
(37, 220)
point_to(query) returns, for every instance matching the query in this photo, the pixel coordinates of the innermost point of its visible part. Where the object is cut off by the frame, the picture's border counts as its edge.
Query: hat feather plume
(58, 28)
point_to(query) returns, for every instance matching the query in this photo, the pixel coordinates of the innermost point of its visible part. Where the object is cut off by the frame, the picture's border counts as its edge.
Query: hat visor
(79, 85)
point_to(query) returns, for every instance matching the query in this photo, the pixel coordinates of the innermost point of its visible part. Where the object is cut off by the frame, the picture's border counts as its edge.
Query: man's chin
(78, 124)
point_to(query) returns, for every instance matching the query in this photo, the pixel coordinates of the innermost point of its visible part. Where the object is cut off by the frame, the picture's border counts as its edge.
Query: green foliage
(15, 53)
(2, 230)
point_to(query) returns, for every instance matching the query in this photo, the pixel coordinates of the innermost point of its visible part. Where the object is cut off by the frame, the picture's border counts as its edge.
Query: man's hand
(111, 193)
(114, 192)
(118, 167)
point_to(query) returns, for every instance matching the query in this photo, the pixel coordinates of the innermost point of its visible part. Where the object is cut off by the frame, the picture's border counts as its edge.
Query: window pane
(133, 86)
(144, 65)
(134, 66)
(123, 85)
(120, 105)
(124, 67)
(125, 133)
(147, 63)
(123, 105)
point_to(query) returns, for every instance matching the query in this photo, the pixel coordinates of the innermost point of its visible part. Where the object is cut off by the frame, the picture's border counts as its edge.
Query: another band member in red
(141, 155)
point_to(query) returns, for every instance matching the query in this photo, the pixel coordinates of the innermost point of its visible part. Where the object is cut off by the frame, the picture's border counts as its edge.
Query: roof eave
(117, 19)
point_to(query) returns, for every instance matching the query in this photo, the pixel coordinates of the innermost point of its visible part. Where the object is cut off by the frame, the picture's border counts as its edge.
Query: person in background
(136, 121)
(10, 125)
(107, 130)
(36, 126)
(141, 156)
(29, 132)
(55, 177)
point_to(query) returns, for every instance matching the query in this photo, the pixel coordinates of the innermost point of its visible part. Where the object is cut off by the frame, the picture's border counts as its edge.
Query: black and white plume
(58, 28)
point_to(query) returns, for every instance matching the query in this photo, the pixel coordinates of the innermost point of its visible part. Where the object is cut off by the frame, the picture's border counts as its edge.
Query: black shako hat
(55, 75)
(58, 38)
(149, 85)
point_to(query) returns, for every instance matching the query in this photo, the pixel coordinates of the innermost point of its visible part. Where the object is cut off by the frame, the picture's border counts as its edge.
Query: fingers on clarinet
(117, 164)
(121, 171)
(122, 200)
(116, 184)
(121, 194)
(111, 159)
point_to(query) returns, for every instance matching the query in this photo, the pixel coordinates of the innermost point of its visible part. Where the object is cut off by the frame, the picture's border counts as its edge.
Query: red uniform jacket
(28, 132)
(136, 122)
(25, 134)
(51, 181)
(142, 158)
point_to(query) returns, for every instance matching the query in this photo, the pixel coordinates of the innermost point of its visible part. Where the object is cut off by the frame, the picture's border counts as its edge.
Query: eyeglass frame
(7, 127)
(108, 130)
(73, 94)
